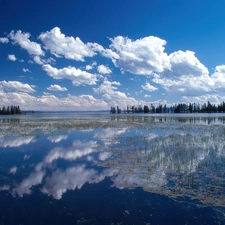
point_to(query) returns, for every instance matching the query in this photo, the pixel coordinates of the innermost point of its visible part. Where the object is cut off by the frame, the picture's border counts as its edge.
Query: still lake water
(97, 168)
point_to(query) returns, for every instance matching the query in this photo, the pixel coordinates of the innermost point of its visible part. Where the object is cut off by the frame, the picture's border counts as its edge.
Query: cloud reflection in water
(57, 138)
(14, 141)
(77, 150)
(61, 180)
(33, 179)
(74, 177)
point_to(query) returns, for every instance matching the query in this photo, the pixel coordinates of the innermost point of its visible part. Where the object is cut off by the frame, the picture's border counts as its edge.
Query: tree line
(10, 110)
(177, 108)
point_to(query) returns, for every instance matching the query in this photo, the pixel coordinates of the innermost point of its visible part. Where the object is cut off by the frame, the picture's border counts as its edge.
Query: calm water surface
(94, 168)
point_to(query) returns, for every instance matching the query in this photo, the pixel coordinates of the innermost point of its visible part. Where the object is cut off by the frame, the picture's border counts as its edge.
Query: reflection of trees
(36, 126)
(39, 126)
(186, 161)
(10, 120)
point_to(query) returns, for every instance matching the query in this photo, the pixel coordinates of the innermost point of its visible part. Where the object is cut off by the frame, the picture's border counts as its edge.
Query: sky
(91, 55)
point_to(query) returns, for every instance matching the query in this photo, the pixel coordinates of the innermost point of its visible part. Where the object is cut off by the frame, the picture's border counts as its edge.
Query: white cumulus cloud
(149, 87)
(77, 76)
(26, 70)
(55, 87)
(218, 78)
(90, 67)
(22, 39)
(142, 56)
(80, 102)
(4, 40)
(16, 86)
(187, 75)
(27, 101)
(69, 47)
(12, 57)
(109, 91)
(185, 64)
(108, 53)
(104, 69)
(37, 59)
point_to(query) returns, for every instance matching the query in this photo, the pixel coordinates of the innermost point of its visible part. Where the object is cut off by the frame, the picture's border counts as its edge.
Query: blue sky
(90, 55)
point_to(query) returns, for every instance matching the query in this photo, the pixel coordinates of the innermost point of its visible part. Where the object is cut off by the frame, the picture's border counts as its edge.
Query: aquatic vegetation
(183, 161)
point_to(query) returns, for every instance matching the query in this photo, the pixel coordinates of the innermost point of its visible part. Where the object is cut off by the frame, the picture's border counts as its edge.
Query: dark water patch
(100, 204)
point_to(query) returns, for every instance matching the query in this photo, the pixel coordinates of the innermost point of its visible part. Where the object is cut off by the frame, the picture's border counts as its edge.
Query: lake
(97, 168)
